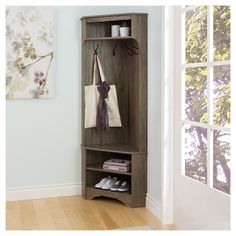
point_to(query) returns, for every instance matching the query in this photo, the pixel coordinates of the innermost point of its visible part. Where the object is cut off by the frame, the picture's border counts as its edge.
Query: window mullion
(209, 95)
(220, 128)
(194, 123)
(204, 64)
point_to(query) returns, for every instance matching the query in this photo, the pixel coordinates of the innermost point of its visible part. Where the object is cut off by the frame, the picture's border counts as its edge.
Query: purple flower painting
(29, 52)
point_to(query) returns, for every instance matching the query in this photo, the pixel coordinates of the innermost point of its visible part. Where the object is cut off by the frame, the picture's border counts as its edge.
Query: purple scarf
(102, 116)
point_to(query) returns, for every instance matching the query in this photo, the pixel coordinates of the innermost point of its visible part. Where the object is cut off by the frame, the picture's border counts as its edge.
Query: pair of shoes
(106, 183)
(113, 184)
(121, 186)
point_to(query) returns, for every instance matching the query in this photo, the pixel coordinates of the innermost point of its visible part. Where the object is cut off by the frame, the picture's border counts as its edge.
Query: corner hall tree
(124, 61)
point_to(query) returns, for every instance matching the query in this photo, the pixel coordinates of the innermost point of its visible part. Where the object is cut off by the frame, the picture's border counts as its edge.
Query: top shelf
(111, 17)
(117, 148)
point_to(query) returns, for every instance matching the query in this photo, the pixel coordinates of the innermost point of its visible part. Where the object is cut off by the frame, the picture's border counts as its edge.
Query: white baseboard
(153, 206)
(36, 192)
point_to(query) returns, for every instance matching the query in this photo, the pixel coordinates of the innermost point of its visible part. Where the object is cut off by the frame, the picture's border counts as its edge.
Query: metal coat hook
(132, 50)
(114, 51)
(96, 49)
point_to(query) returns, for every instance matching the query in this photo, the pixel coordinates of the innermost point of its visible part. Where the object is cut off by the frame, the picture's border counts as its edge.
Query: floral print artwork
(29, 52)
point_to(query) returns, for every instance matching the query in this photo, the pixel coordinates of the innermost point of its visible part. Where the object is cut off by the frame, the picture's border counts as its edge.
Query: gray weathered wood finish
(129, 74)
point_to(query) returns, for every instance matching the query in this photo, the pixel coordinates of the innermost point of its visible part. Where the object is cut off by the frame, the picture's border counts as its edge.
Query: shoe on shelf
(102, 182)
(125, 186)
(109, 183)
(116, 185)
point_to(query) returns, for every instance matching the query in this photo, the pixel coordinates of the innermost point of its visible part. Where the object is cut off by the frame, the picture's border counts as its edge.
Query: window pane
(196, 35)
(196, 94)
(221, 151)
(196, 153)
(221, 95)
(221, 33)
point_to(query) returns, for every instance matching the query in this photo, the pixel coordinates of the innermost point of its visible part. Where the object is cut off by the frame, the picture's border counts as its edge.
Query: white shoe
(109, 183)
(102, 182)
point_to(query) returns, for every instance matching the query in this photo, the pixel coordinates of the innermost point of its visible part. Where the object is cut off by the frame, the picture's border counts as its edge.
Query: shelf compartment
(116, 148)
(102, 29)
(100, 169)
(94, 177)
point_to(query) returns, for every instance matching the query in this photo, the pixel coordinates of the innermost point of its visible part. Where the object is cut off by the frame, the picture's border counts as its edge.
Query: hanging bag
(92, 97)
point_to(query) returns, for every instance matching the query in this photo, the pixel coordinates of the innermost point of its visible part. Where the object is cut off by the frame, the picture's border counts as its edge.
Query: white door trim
(167, 119)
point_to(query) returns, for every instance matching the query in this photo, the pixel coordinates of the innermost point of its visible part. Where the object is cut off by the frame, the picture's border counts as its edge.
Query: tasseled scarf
(102, 115)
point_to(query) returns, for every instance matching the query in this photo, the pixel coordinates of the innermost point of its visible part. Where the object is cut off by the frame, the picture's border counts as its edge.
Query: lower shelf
(107, 192)
(124, 197)
(92, 159)
(100, 169)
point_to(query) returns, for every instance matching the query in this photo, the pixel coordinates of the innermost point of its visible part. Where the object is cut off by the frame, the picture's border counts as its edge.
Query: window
(206, 95)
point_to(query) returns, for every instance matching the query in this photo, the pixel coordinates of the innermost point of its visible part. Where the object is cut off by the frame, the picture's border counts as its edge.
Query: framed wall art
(29, 52)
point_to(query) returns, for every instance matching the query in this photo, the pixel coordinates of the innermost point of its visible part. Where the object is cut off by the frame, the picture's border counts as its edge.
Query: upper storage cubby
(100, 27)
(103, 29)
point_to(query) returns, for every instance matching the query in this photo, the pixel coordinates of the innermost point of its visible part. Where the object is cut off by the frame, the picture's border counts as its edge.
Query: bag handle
(100, 69)
(94, 70)
(97, 66)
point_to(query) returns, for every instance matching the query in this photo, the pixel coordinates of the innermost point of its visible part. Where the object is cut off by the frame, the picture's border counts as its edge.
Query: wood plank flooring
(75, 213)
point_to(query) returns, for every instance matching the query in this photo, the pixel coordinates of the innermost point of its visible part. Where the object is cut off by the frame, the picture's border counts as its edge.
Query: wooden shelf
(125, 197)
(108, 38)
(107, 18)
(126, 149)
(111, 17)
(100, 169)
(108, 193)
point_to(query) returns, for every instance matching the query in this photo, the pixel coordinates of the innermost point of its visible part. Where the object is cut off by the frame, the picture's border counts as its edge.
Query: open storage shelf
(100, 169)
(101, 27)
(127, 69)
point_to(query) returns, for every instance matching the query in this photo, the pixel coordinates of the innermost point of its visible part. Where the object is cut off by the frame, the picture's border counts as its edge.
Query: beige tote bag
(92, 98)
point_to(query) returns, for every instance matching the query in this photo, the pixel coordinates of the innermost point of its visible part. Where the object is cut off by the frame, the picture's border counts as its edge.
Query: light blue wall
(43, 136)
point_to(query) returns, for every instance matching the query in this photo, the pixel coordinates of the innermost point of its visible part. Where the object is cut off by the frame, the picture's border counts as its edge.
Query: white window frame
(167, 118)
(209, 64)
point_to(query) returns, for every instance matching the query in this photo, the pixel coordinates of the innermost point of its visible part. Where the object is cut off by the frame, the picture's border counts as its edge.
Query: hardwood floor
(75, 213)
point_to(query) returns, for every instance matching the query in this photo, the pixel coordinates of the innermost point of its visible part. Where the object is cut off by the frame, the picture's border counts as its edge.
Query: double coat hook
(132, 50)
(96, 49)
